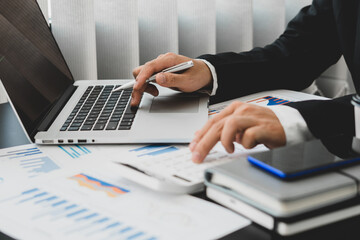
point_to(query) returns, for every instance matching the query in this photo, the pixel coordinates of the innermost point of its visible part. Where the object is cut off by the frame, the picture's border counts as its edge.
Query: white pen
(176, 68)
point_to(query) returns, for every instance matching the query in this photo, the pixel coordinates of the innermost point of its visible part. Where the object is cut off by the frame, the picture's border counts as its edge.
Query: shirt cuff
(294, 125)
(214, 76)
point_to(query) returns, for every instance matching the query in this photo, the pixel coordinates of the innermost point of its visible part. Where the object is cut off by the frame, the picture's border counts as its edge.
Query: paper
(89, 205)
(70, 155)
(267, 98)
(23, 163)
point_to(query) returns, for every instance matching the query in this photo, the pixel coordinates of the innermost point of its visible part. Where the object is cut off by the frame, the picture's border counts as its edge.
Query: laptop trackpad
(175, 105)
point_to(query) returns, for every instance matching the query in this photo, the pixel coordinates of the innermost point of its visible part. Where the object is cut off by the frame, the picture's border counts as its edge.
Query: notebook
(288, 226)
(54, 109)
(288, 207)
(275, 196)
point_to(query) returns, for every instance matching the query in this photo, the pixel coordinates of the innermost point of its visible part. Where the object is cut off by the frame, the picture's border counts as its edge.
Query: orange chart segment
(98, 185)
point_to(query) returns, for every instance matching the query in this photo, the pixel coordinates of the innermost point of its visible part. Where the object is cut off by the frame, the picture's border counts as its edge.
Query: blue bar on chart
(153, 150)
(21, 153)
(75, 151)
(30, 159)
(38, 165)
(269, 101)
(68, 218)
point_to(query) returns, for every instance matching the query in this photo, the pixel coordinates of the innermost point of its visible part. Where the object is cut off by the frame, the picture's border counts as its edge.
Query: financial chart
(58, 209)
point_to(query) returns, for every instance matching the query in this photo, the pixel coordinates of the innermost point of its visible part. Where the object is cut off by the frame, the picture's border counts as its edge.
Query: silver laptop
(56, 110)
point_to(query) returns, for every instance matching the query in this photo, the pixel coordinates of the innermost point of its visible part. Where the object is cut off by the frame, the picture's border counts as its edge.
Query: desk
(11, 134)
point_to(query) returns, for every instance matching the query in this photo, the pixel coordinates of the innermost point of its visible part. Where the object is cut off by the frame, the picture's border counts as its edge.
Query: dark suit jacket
(314, 40)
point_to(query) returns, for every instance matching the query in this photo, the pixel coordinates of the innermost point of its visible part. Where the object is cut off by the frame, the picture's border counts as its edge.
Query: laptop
(54, 109)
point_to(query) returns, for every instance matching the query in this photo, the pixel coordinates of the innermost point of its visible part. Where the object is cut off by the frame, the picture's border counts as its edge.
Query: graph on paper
(98, 185)
(66, 218)
(59, 215)
(75, 151)
(267, 100)
(153, 150)
(25, 161)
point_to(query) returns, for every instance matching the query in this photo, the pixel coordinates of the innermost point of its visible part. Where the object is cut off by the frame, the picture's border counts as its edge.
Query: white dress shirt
(294, 125)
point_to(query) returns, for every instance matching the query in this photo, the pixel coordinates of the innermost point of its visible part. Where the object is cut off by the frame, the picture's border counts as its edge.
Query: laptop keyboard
(98, 109)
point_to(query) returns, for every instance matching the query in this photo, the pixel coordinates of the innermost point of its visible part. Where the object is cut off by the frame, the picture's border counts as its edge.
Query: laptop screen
(32, 68)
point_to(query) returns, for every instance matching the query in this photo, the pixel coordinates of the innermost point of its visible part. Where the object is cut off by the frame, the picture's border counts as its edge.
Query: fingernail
(192, 145)
(162, 78)
(196, 157)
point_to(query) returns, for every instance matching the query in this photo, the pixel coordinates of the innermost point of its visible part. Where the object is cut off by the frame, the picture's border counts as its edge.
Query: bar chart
(75, 151)
(153, 150)
(28, 161)
(70, 219)
(269, 101)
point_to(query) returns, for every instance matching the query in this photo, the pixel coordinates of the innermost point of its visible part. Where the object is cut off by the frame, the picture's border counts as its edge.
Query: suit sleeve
(308, 46)
(326, 118)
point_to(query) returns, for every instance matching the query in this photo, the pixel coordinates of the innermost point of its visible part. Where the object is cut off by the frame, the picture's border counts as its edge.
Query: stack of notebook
(286, 207)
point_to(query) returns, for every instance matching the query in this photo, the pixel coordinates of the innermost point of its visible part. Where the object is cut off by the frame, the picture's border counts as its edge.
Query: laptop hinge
(55, 110)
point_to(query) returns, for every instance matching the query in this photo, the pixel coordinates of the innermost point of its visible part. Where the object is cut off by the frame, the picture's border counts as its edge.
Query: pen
(176, 68)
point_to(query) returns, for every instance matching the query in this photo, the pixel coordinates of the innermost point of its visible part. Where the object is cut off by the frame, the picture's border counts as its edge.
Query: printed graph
(75, 151)
(213, 111)
(261, 101)
(21, 153)
(60, 216)
(269, 101)
(98, 185)
(31, 160)
(153, 150)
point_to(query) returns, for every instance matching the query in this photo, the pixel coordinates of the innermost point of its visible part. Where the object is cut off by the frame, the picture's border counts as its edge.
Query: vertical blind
(106, 39)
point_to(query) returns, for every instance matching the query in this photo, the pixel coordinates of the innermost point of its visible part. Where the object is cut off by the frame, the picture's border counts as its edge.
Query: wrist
(210, 77)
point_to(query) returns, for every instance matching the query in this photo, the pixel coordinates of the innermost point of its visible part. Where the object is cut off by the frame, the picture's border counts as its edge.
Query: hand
(191, 80)
(243, 123)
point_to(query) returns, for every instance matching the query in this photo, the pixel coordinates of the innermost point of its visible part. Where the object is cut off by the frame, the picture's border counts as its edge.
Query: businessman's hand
(240, 122)
(193, 79)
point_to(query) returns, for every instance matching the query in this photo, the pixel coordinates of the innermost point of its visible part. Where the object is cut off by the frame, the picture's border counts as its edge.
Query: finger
(152, 67)
(170, 80)
(160, 56)
(136, 71)
(151, 89)
(251, 137)
(228, 134)
(224, 113)
(232, 127)
(238, 137)
(136, 96)
(268, 137)
(209, 140)
(193, 143)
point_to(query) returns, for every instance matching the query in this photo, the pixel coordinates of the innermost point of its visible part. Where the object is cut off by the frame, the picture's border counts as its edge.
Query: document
(23, 163)
(267, 98)
(98, 204)
(70, 155)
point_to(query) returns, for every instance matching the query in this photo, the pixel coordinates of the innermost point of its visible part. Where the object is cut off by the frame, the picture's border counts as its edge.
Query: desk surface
(11, 134)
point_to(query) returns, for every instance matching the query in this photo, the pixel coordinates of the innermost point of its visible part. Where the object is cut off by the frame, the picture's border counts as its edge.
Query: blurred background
(106, 39)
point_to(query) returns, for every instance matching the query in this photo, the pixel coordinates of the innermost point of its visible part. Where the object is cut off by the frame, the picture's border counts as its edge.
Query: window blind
(106, 39)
